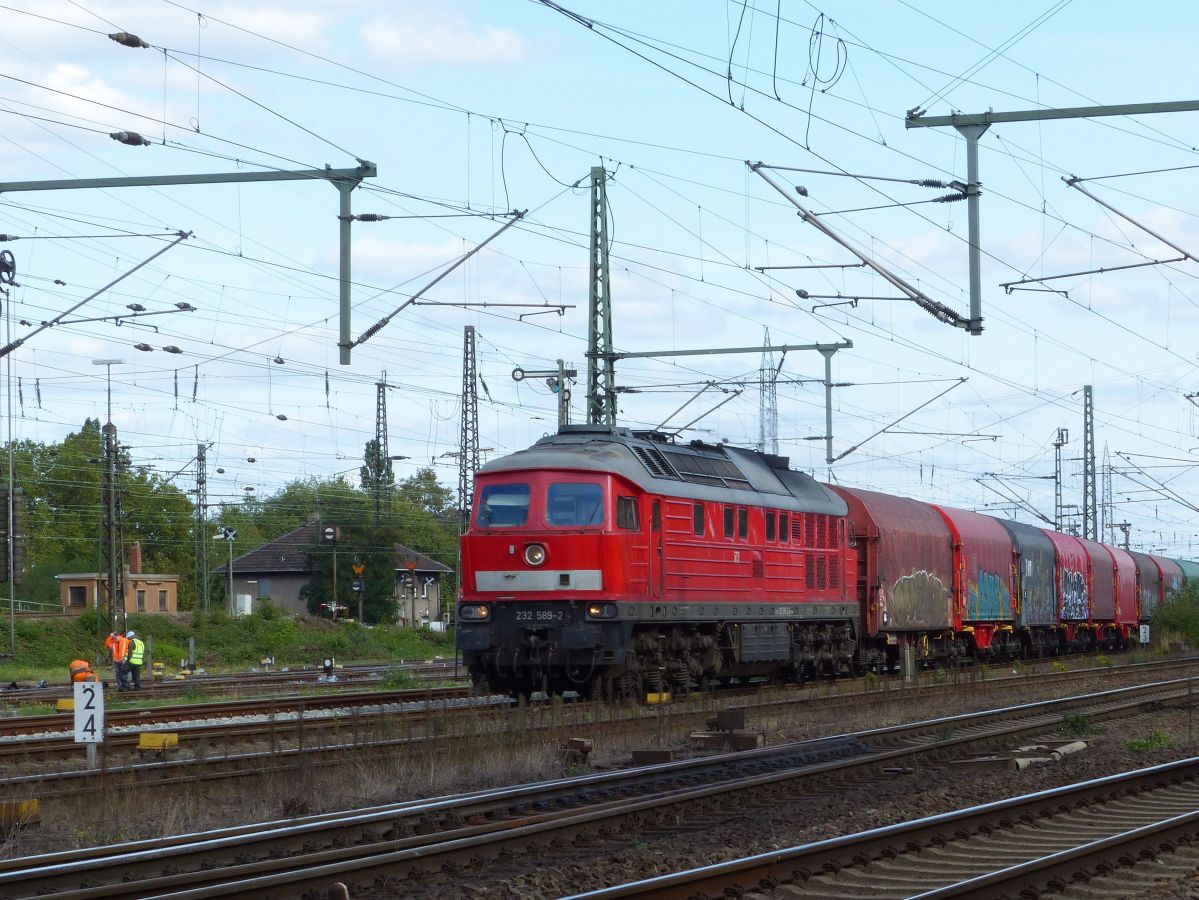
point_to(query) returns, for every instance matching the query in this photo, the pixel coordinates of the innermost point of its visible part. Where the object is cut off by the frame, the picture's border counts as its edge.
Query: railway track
(227, 749)
(1107, 837)
(353, 677)
(281, 720)
(405, 849)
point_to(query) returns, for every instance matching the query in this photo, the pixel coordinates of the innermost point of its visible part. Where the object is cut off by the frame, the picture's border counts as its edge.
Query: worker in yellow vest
(137, 656)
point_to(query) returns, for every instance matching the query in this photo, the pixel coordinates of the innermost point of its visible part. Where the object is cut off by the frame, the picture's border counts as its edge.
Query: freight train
(606, 560)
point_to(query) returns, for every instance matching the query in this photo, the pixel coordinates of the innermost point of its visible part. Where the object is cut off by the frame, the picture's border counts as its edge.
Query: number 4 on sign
(89, 712)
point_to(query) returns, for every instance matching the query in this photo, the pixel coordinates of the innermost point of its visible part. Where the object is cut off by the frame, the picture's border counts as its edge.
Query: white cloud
(420, 36)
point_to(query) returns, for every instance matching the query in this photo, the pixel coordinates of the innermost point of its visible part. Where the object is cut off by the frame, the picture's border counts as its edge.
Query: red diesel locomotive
(607, 559)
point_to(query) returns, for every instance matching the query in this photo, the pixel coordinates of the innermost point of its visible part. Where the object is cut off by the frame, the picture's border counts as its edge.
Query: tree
(423, 491)
(64, 523)
(376, 476)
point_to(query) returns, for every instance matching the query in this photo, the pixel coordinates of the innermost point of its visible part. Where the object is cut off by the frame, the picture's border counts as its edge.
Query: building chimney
(135, 558)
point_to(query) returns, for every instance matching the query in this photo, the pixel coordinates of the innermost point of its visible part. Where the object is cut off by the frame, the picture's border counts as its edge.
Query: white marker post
(89, 717)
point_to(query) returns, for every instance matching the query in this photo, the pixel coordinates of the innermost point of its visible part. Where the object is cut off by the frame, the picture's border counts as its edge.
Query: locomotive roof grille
(658, 465)
(707, 470)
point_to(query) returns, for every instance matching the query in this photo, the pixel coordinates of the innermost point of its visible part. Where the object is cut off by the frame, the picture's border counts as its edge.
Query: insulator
(372, 331)
(9, 237)
(132, 138)
(931, 183)
(125, 39)
(949, 198)
(370, 217)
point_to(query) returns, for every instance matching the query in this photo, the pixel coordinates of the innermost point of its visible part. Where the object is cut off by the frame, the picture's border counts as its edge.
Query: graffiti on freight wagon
(918, 600)
(989, 598)
(1074, 596)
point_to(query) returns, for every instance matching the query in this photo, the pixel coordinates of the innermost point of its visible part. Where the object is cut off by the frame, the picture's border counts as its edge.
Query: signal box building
(145, 592)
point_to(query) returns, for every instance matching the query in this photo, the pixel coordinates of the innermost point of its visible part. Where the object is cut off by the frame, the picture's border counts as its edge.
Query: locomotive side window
(728, 521)
(770, 525)
(783, 532)
(742, 522)
(697, 519)
(503, 505)
(571, 504)
(626, 514)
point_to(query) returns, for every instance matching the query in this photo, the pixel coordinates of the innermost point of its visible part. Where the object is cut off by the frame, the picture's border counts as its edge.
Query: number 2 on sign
(89, 713)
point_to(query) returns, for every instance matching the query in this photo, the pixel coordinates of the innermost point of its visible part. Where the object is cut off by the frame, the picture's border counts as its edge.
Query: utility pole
(1063, 438)
(1107, 524)
(113, 592)
(768, 409)
(201, 527)
(8, 278)
(601, 370)
(1089, 517)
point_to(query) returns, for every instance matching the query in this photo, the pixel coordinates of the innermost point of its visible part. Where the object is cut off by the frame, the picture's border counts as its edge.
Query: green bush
(1180, 615)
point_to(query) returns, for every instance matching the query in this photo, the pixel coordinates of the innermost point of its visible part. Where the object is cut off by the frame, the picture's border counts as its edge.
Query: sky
(474, 110)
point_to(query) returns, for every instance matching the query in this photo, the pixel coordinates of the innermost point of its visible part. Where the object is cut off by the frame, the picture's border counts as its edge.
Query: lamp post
(229, 535)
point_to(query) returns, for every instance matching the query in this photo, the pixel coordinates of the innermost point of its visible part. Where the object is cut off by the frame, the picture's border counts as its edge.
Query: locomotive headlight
(602, 611)
(474, 613)
(535, 554)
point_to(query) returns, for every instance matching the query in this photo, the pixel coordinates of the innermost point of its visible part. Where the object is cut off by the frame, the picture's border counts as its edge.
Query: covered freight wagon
(905, 569)
(1127, 594)
(1073, 577)
(1103, 581)
(1035, 587)
(1149, 584)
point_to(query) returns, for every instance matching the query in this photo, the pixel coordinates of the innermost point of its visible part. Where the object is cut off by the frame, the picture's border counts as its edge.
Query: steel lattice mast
(383, 471)
(768, 410)
(1090, 519)
(601, 368)
(202, 525)
(468, 443)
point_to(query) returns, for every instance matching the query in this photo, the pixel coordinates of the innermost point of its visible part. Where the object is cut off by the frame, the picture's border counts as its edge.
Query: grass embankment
(44, 647)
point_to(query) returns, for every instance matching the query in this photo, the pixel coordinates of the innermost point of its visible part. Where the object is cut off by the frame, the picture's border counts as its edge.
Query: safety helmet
(129, 634)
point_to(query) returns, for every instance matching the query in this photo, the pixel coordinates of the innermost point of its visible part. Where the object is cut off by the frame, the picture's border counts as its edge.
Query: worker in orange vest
(118, 646)
(82, 671)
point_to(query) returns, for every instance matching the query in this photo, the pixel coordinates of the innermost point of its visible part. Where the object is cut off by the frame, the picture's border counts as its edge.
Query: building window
(77, 597)
(728, 521)
(141, 601)
(742, 522)
(697, 519)
(770, 525)
(162, 601)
